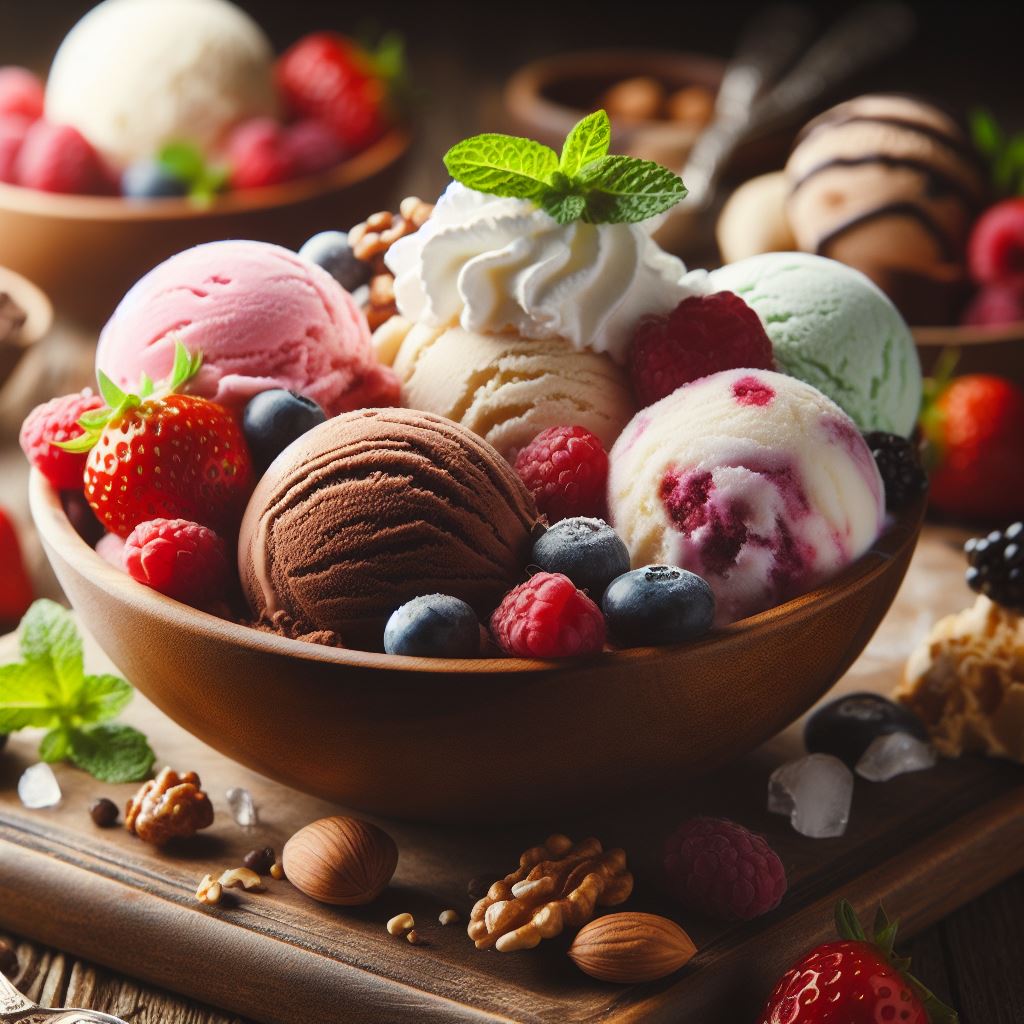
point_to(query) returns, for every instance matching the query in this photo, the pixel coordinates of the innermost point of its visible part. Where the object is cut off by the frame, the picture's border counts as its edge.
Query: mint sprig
(584, 183)
(49, 689)
(186, 163)
(1003, 153)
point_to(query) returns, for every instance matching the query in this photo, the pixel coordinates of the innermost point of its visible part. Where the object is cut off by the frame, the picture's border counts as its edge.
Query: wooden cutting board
(922, 843)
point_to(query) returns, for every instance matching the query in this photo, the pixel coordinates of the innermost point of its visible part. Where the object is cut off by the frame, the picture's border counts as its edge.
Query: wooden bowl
(481, 740)
(38, 320)
(87, 251)
(998, 350)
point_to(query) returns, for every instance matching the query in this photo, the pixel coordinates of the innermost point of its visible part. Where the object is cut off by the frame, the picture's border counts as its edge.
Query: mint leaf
(587, 142)
(563, 208)
(55, 746)
(183, 160)
(111, 752)
(103, 697)
(622, 189)
(27, 698)
(985, 132)
(502, 165)
(51, 645)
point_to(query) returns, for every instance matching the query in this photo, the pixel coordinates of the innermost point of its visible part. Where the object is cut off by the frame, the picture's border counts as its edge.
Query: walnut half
(168, 807)
(557, 885)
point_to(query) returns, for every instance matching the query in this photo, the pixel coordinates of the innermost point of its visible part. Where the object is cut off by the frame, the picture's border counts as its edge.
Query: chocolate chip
(260, 861)
(104, 813)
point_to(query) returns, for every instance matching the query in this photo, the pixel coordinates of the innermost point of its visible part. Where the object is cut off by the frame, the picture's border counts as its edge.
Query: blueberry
(149, 179)
(588, 551)
(434, 626)
(846, 727)
(330, 250)
(273, 419)
(658, 604)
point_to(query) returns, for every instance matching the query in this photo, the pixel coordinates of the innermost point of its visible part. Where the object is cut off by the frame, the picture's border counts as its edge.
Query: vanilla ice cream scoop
(752, 479)
(133, 75)
(494, 264)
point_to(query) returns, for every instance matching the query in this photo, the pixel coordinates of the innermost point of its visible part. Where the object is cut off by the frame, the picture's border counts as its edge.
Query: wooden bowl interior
(483, 739)
(998, 350)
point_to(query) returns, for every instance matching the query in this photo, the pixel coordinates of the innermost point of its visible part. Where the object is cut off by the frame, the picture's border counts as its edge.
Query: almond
(629, 948)
(340, 860)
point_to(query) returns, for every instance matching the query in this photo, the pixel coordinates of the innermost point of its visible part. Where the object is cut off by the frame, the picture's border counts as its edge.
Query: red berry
(177, 457)
(13, 129)
(702, 335)
(58, 158)
(995, 251)
(57, 420)
(259, 155)
(547, 617)
(566, 471)
(313, 147)
(183, 560)
(975, 427)
(996, 305)
(721, 869)
(15, 585)
(326, 76)
(21, 93)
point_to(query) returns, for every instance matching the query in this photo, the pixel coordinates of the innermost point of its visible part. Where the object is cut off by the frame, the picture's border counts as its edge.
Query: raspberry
(995, 251)
(259, 155)
(21, 93)
(721, 869)
(547, 617)
(702, 335)
(58, 158)
(566, 471)
(313, 147)
(179, 558)
(995, 305)
(57, 420)
(13, 129)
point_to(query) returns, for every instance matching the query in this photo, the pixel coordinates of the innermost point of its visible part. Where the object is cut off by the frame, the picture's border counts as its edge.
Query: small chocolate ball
(104, 813)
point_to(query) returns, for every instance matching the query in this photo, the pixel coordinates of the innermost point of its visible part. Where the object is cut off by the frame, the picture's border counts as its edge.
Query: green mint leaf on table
(587, 142)
(111, 752)
(49, 689)
(622, 189)
(502, 165)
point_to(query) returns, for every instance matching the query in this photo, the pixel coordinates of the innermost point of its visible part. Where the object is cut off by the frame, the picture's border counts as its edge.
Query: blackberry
(996, 566)
(901, 469)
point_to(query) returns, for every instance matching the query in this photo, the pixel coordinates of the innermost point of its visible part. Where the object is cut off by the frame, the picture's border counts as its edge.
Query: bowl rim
(954, 335)
(363, 165)
(57, 532)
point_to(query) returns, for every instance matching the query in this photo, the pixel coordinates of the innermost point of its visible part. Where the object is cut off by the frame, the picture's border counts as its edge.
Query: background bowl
(87, 251)
(481, 740)
(38, 319)
(998, 350)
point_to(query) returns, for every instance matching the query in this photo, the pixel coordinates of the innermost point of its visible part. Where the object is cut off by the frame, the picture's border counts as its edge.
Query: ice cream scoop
(753, 219)
(754, 480)
(832, 327)
(503, 387)
(496, 264)
(133, 75)
(262, 317)
(374, 508)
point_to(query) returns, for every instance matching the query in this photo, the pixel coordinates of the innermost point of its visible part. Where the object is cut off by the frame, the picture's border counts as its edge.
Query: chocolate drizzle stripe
(951, 184)
(901, 209)
(959, 146)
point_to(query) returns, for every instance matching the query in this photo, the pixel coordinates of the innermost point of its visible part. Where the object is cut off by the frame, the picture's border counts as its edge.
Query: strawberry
(854, 981)
(328, 77)
(161, 455)
(974, 426)
(15, 586)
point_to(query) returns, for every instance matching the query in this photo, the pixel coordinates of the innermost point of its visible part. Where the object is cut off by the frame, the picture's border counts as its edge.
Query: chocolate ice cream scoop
(373, 508)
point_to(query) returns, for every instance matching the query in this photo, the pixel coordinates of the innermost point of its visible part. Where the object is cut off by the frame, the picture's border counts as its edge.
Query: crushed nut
(276, 871)
(414, 938)
(556, 885)
(244, 877)
(210, 891)
(168, 807)
(449, 917)
(400, 924)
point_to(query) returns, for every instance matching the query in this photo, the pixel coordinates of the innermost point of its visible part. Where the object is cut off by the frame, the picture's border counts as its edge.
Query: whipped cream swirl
(496, 264)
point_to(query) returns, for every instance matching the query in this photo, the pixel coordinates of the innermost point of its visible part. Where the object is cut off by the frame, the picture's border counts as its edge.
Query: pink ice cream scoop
(262, 317)
(752, 479)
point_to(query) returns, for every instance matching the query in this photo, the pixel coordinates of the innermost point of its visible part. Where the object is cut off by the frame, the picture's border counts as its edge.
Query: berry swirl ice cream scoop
(752, 479)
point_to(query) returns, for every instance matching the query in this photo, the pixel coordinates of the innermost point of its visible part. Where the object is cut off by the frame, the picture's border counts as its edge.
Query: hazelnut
(339, 860)
(276, 871)
(635, 99)
(693, 105)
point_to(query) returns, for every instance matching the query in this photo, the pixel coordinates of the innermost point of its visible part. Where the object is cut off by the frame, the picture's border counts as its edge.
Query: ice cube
(38, 787)
(815, 791)
(242, 808)
(892, 755)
